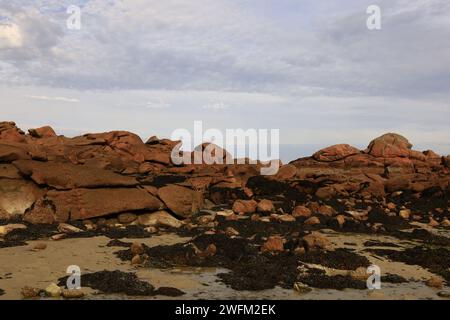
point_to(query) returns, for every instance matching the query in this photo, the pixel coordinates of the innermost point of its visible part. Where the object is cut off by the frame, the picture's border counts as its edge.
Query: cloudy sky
(310, 68)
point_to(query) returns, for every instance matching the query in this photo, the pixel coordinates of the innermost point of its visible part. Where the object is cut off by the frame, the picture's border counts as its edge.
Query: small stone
(300, 250)
(444, 294)
(67, 228)
(326, 210)
(39, 246)
(301, 211)
(391, 206)
(72, 293)
(136, 248)
(126, 218)
(255, 217)
(244, 206)
(375, 295)
(340, 220)
(435, 282)
(286, 218)
(312, 221)
(58, 236)
(265, 206)
(405, 213)
(433, 223)
(274, 243)
(316, 241)
(445, 223)
(151, 229)
(229, 231)
(136, 259)
(301, 288)
(29, 292)
(359, 274)
(53, 290)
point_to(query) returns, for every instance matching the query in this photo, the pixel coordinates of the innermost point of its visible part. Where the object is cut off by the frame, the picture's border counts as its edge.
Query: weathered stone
(29, 292)
(245, 206)
(16, 196)
(312, 221)
(159, 219)
(265, 206)
(5, 229)
(42, 212)
(181, 200)
(72, 293)
(69, 176)
(43, 132)
(53, 290)
(316, 241)
(79, 204)
(126, 218)
(274, 243)
(336, 152)
(301, 211)
(136, 248)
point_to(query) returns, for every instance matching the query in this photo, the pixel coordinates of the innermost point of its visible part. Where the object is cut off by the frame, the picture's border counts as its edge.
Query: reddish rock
(390, 145)
(16, 196)
(69, 176)
(9, 132)
(312, 221)
(11, 152)
(286, 172)
(181, 200)
(274, 243)
(397, 184)
(326, 192)
(79, 204)
(42, 212)
(336, 152)
(244, 206)
(301, 211)
(42, 132)
(316, 241)
(265, 206)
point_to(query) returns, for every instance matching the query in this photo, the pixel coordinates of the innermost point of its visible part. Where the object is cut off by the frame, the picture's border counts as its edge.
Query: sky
(311, 69)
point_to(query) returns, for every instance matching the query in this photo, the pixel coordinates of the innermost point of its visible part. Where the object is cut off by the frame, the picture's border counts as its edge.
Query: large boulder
(80, 204)
(336, 152)
(390, 145)
(16, 196)
(9, 132)
(42, 132)
(181, 200)
(69, 176)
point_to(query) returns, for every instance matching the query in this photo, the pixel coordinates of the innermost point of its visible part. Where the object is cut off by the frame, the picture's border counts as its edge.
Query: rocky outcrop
(46, 178)
(65, 176)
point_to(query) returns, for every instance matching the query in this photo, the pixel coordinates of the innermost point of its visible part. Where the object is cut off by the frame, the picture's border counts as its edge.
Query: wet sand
(21, 266)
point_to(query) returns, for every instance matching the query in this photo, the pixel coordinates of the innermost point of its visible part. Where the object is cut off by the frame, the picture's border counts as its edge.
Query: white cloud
(10, 36)
(63, 99)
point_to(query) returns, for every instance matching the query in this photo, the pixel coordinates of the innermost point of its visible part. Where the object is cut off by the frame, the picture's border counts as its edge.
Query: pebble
(301, 288)
(39, 246)
(136, 248)
(312, 221)
(435, 282)
(72, 294)
(53, 290)
(29, 292)
(136, 259)
(444, 294)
